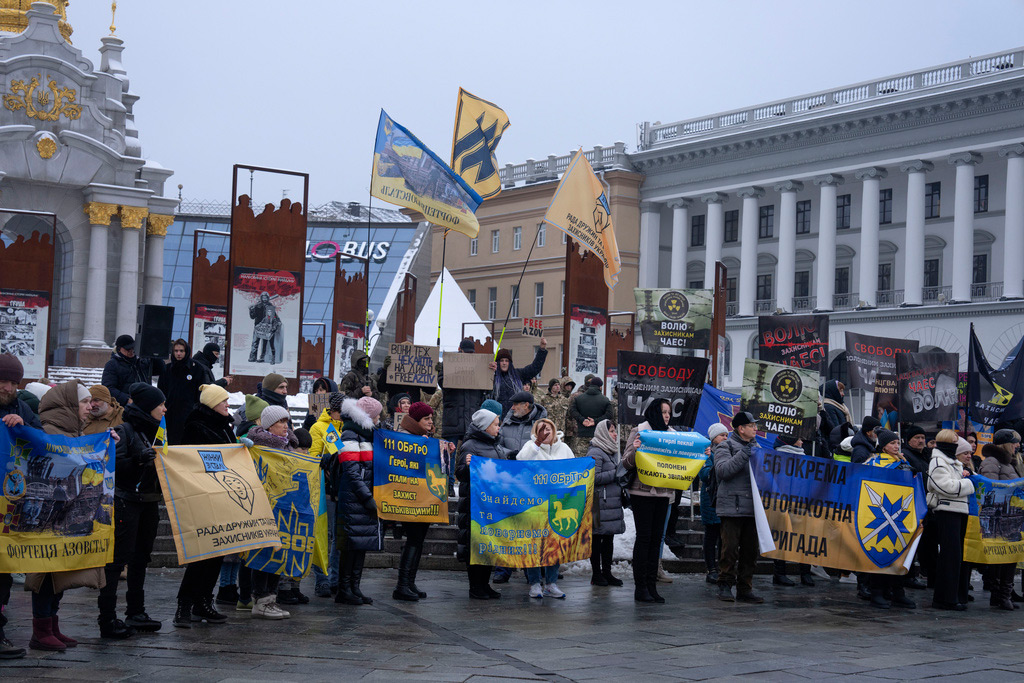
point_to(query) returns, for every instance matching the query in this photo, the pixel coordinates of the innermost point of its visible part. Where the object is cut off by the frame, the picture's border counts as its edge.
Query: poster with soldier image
(588, 327)
(348, 338)
(797, 340)
(265, 318)
(24, 321)
(783, 399)
(926, 386)
(675, 318)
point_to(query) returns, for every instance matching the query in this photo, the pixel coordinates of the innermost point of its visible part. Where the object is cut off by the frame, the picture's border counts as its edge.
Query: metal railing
(936, 295)
(804, 303)
(843, 302)
(533, 171)
(731, 307)
(986, 291)
(762, 306)
(889, 298)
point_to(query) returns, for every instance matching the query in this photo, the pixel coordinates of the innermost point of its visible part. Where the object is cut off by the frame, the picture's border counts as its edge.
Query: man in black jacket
(206, 359)
(124, 369)
(913, 449)
(865, 443)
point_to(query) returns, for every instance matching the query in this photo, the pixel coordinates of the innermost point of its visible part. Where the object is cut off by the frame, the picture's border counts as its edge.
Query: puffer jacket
(479, 444)
(120, 373)
(134, 478)
(608, 516)
(326, 383)
(998, 464)
(947, 487)
(732, 467)
(708, 515)
(331, 468)
(863, 447)
(515, 431)
(180, 382)
(638, 488)
(555, 451)
(356, 510)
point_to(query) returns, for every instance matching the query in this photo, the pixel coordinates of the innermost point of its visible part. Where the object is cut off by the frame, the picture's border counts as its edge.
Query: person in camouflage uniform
(555, 403)
(568, 392)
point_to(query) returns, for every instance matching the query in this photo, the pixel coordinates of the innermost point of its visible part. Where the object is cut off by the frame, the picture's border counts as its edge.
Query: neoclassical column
(1013, 234)
(786, 273)
(913, 250)
(748, 248)
(156, 232)
(714, 235)
(128, 281)
(826, 261)
(870, 179)
(93, 331)
(650, 243)
(963, 224)
(680, 219)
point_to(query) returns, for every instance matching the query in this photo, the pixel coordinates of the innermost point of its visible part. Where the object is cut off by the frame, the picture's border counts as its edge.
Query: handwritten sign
(468, 371)
(413, 365)
(533, 327)
(318, 403)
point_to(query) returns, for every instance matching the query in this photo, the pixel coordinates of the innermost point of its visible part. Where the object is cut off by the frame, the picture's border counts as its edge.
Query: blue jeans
(332, 551)
(533, 574)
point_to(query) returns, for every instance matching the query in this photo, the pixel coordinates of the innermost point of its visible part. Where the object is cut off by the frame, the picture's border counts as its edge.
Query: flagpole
(366, 272)
(440, 291)
(516, 291)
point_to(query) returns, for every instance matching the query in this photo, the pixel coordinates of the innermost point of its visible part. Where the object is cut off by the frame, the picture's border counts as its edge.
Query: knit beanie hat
(304, 438)
(596, 382)
(335, 401)
(39, 389)
(84, 395)
(467, 346)
(493, 406)
(212, 395)
(785, 440)
(963, 446)
(870, 422)
(420, 410)
(100, 392)
(482, 419)
(370, 406)
(254, 407)
(911, 431)
(272, 415)
(11, 368)
(716, 429)
(552, 382)
(146, 396)
(885, 437)
(272, 381)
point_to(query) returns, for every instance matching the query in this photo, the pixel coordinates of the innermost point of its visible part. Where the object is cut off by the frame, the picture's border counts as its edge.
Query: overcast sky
(300, 85)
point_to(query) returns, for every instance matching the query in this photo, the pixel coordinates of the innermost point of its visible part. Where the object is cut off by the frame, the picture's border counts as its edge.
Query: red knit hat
(420, 410)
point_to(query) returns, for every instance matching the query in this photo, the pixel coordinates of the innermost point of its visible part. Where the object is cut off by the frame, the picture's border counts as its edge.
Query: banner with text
(926, 385)
(797, 340)
(413, 365)
(836, 514)
(644, 377)
(783, 399)
(675, 318)
(533, 513)
(215, 501)
(883, 401)
(24, 325)
(57, 501)
(409, 482)
(670, 460)
(867, 356)
(994, 395)
(995, 525)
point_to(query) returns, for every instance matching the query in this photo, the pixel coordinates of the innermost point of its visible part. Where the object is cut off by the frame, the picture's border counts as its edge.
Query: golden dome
(13, 19)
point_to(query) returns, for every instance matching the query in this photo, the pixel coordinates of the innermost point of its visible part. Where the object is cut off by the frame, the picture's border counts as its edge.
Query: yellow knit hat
(212, 395)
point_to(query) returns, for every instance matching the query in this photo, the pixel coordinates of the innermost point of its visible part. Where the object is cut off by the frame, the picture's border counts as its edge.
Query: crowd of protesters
(518, 419)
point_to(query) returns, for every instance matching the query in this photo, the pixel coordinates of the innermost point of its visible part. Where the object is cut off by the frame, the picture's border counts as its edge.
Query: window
(980, 275)
(980, 194)
(492, 302)
(732, 225)
(931, 272)
(495, 243)
(542, 233)
(843, 280)
(802, 283)
(561, 306)
(515, 302)
(803, 217)
(885, 206)
(730, 289)
(764, 287)
(471, 294)
(766, 222)
(932, 197)
(843, 212)
(697, 228)
(473, 246)
(538, 299)
(884, 277)
(517, 238)
(696, 284)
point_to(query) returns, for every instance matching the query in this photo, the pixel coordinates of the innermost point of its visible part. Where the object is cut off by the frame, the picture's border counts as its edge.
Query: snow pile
(624, 542)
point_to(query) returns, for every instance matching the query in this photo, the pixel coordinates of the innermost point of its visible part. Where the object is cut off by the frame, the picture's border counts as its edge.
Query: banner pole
(440, 291)
(515, 292)
(366, 270)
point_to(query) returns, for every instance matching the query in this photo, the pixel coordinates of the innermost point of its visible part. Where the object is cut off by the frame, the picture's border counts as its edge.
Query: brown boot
(43, 638)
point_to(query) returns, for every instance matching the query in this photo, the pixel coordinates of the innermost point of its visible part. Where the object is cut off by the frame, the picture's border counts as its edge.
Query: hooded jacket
(593, 404)
(358, 377)
(516, 431)
(863, 447)
(331, 467)
(732, 468)
(135, 475)
(356, 510)
(835, 409)
(547, 451)
(121, 372)
(653, 420)
(58, 410)
(479, 444)
(998, 464)
(205, 361)
(507, 384)
(180, 382)
(607, 507)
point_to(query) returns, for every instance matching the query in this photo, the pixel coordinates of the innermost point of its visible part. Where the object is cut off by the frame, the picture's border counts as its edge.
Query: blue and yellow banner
(409, 484)
(836, 514)
(479, 125)
(407, 173)
(670, 460)
(995, 527)
(533, 513)
(56, 507)
(293, 483)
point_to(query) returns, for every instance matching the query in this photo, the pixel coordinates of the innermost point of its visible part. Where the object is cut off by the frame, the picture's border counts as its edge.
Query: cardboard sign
(533, 327)
(413, 365)
(318, 403)
(468, 371)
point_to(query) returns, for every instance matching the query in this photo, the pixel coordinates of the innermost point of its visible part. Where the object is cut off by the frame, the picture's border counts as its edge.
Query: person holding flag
(137, 498)
(326, 434)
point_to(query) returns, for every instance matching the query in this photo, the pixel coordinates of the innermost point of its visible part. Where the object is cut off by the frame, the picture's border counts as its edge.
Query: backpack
(625, 478)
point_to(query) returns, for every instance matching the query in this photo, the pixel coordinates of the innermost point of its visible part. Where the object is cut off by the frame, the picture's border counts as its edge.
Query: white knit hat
(716, 429)
(482, 419)
(273, 415)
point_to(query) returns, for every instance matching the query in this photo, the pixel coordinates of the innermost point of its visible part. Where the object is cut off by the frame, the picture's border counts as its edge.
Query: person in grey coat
(517, 425)
(735, 506)
(608, 516)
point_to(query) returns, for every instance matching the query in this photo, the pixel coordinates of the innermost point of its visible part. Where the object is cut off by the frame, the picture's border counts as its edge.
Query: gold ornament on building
(13, 17)
(113, 13)
(26, 97)
(157, 224)
(131, 216)
(99, 213)
(46, 147)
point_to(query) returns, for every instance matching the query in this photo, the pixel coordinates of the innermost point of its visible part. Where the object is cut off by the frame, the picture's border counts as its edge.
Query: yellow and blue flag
(407, 173)
(331, 439)
(161, 434)
(479, 125)
(995, 522)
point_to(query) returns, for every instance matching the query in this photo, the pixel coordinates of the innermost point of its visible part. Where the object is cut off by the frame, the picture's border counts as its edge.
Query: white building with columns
(895, 205)
(69, 145)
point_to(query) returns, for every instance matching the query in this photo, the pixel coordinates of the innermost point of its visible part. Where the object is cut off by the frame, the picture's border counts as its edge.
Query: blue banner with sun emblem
(56, 507)
(836, 514)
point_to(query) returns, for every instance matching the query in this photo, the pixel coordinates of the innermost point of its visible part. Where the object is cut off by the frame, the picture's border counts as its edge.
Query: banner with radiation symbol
(675, 318)
(783, 399)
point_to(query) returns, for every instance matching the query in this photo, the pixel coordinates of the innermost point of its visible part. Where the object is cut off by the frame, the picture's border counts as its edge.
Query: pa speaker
(154, 337)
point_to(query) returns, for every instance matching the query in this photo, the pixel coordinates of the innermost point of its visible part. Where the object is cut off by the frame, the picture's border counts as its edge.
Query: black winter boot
(204, 610)
(414, 568)
(183, 615)
(403, 590)
(345, 595)
(641, 593)
(358, 557)
(606, 565)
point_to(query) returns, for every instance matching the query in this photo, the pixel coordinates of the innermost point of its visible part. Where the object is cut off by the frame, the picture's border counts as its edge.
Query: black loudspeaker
(154, 337)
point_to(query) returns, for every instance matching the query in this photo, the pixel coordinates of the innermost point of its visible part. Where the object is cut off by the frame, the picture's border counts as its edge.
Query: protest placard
(533, 327)
(642, 377)
(409, 484)
(797, 340)
(783, 399)
(468, 371)
(413, 365)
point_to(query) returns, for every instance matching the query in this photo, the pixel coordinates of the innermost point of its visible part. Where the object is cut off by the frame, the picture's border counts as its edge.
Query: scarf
(603, 439)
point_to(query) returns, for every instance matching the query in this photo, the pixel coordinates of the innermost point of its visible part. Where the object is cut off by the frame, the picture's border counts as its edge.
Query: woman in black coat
(210, 423)
(180, 382)
(608, 516)
(481, 442)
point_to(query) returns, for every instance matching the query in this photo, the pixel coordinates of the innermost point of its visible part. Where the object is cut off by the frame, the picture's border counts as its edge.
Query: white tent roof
(456, 310)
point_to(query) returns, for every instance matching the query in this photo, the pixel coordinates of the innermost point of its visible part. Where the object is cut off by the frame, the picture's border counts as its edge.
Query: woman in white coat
(948, 491)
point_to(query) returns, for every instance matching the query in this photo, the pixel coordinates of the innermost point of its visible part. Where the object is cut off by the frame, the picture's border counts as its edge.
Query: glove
(147, 456)
(246, 441)
(387, 361)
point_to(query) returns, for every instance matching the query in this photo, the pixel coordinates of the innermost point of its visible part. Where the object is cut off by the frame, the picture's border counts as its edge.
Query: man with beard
(13, 412)
(105, 413)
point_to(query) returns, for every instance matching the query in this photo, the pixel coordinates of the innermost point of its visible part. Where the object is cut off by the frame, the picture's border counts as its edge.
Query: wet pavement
(801, 633)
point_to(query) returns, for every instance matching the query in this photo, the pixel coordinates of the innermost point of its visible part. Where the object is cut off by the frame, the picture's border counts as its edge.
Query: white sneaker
(820, 573)
(281, 610)
(663, 576)
(266, 609)
(849, 578)
(553, 591)
(535, 591)
(18, 578)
